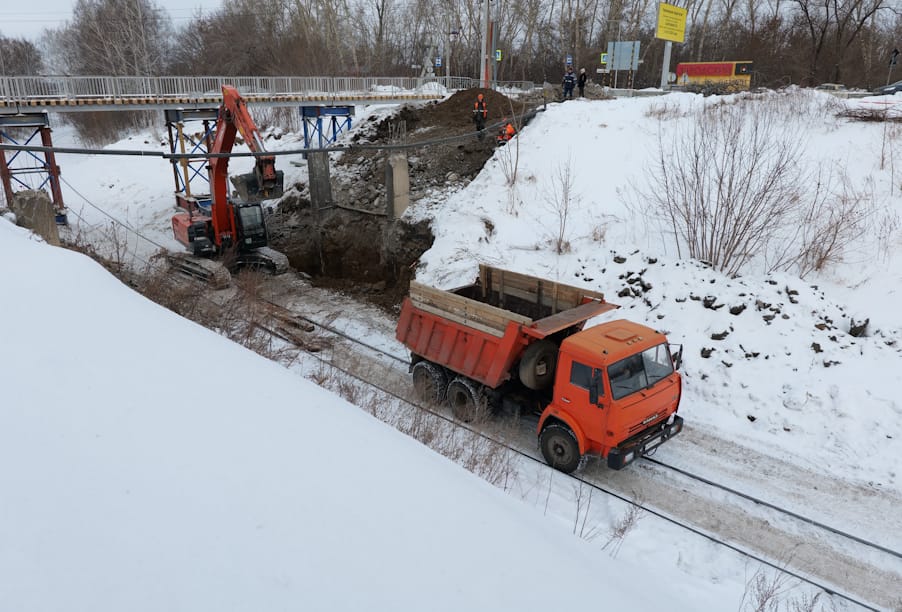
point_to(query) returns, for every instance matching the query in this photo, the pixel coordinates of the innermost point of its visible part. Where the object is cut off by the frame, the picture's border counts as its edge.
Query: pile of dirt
(451, 150)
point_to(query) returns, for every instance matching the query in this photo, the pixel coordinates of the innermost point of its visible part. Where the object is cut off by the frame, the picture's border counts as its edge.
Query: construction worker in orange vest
(506, 132)
(480, 112)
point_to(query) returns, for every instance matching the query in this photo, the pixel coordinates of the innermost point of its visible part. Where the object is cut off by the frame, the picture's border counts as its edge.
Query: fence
(22, 89)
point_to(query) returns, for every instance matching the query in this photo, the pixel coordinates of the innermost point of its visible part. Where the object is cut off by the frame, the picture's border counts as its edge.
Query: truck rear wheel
(538, 364)
(429, 382)
(467, 403)
(559, 447)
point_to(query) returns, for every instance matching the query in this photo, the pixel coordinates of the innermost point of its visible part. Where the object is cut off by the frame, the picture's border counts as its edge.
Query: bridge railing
(21, 88)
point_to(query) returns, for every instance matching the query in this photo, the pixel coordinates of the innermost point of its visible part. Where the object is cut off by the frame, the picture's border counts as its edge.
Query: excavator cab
(251, 226)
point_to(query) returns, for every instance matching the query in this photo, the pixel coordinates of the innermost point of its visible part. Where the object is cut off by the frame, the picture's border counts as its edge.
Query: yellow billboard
(671, 23)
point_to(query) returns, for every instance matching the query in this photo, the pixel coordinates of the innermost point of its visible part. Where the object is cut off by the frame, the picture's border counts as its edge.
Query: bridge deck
(72, 94)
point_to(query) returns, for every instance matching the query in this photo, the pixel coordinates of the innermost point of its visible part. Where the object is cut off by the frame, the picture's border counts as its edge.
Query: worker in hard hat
(480, 113)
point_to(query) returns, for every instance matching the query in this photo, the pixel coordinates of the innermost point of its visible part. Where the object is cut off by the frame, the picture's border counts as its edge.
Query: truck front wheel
(467, 403)
(559, 447)
(429, 382)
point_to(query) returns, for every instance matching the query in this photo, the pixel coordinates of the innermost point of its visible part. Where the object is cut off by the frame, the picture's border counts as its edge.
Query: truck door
(574, 379)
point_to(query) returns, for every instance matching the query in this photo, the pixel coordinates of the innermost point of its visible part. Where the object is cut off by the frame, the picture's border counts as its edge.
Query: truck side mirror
(594, 386)
(677, 355)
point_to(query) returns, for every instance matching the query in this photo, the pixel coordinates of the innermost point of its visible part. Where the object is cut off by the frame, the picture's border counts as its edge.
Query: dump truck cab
(616, 394)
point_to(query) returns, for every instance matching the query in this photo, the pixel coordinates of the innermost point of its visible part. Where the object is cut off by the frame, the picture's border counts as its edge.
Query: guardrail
(22, 89)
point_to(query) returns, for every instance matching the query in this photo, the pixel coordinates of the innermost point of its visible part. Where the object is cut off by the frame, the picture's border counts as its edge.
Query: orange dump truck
(611, 390)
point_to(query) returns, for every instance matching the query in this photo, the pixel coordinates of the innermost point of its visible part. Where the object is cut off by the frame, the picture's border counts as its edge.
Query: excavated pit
(368, 256)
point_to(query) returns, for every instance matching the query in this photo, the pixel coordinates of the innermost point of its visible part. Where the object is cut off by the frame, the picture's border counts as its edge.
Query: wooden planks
(551, 294)
(563, 301)
(571, 316)
(464, 310)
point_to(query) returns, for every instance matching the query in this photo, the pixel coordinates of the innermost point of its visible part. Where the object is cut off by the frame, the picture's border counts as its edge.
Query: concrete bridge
(60, 94)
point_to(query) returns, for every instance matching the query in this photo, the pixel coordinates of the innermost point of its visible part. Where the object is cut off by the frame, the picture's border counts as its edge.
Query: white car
(831, 87)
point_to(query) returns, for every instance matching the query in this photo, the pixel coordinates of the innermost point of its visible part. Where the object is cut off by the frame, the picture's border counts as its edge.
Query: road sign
(497, 55)
(671, 23)
(604, 58)
(569, 60)
(438, 62)
(623, 55)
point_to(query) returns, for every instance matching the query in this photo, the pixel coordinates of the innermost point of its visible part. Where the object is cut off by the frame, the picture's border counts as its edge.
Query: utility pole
(614, 55)
(452, 38)
(485, 73)
(665, 70)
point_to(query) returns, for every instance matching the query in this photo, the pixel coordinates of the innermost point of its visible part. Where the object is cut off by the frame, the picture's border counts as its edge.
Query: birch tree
(115, 37)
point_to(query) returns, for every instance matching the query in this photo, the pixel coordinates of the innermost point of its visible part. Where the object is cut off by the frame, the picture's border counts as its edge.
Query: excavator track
(271, 260)
(210, 271)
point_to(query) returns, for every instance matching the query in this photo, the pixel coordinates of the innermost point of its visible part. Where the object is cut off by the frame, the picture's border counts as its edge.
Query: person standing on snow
(480, 112)
(581, 82)
(568, 83)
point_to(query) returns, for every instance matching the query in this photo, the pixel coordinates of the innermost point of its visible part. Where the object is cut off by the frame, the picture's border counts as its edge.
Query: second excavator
(234, 230)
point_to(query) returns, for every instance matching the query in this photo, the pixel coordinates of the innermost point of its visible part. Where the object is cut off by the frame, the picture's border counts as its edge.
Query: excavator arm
(264, 183)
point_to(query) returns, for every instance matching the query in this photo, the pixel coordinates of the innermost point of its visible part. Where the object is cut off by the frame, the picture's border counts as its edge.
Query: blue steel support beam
(338, 118)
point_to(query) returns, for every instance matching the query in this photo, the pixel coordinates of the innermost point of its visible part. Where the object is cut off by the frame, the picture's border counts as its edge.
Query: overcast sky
(29, 20)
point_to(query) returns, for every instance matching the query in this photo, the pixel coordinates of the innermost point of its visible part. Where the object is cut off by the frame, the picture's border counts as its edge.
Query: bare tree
(115, 37)
(836, 23)
(831, 219)
(19, 57)
(727, 182)
(728, 187)
(562, 199)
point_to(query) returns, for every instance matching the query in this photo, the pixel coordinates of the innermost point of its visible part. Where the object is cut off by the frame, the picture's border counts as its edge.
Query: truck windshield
(639, 371)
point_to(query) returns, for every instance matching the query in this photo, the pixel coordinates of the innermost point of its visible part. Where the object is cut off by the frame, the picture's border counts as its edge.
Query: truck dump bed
(481, 330)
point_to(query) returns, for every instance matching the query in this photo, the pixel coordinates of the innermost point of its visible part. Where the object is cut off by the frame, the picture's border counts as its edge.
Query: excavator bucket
(251, 189)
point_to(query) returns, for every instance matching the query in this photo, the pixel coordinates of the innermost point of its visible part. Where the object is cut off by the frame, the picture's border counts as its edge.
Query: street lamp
(452, 38)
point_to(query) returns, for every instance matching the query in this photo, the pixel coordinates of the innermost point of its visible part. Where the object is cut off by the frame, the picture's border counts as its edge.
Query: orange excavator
(233, 226)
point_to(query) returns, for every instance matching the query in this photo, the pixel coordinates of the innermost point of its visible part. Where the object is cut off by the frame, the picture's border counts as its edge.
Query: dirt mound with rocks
(445, 147)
